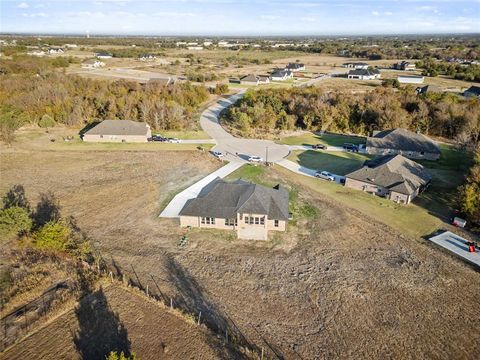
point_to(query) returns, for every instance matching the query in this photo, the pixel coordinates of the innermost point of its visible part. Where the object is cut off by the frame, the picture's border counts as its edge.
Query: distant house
(410, 79)
(405, 66)
(472, 91)
(364, 74)
(196, 48)
(92, 64)
(391, 176)
(356, 65)
(428, 89)
(250, 210)
(147, 57)
(53, 51)
(295, 67)
(281, 75)
(403, 142)
(103, 55)
(254, 80)
(71, 46)
(118, 131)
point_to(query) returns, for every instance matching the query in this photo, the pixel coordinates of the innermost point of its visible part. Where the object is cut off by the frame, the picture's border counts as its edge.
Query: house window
(208, 221)
(422, 153)
(262, 221)
(101, 136)
(275, 223)
(230, 222)
(255, 220)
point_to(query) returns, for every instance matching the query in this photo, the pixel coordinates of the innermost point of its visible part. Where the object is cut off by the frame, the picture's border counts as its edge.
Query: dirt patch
(119, 319)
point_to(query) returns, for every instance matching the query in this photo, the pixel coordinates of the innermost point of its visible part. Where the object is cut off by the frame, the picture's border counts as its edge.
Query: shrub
(53, 236)
(14, 220)
(120, 356)
(46, 121)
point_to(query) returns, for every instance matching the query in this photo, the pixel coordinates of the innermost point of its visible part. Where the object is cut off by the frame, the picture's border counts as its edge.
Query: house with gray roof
(401, 141)
(249, 209)
(252, 79)
(356, 65)
(428, 89)
(364, 74)
(472, 91)
(391, 176)
(118, 131)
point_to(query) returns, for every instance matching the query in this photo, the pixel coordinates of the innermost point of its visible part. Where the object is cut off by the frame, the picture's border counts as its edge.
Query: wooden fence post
(199, 316)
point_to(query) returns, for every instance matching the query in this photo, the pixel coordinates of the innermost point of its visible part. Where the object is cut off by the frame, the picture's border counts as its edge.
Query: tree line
(470, 194)
(269, 111)
(32, 92)
(432, 67)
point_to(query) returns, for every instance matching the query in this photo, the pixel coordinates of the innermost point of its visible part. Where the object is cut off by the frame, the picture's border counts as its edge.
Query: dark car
(158, 138)
(319, 147)
(350, 147)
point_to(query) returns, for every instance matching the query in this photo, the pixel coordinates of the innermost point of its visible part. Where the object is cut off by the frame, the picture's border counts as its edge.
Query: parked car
(319, 147)
(158, 138)
(173, 140)
(218, 154)
(325, 175)
(350, 147)
(255, 159)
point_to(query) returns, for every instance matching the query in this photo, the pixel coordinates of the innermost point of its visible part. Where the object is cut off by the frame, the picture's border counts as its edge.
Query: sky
(240, 17)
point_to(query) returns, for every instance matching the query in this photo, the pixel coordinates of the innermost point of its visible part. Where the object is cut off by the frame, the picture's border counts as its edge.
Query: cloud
(308, 19)
(35, 15)
(388, 13)
(375, 13)
(23, 5)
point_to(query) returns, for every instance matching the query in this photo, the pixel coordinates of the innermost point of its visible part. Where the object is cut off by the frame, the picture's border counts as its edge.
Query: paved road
(178, 202)
(296, 168)
(238, 149)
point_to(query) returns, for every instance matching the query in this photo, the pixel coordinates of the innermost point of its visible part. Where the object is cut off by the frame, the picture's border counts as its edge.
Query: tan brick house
(250, 210)
(391, 176)
(118, 131)
(403, 142)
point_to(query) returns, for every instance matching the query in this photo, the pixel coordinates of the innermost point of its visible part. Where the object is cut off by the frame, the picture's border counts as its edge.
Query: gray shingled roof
(364, 72)
(119, 127)
(474, 90)
(427, 89)
(250, 78)
(401, 139)
(221, 199)
(393, 172)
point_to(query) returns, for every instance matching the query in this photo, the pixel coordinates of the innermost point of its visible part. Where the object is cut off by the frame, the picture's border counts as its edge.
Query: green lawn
(326, 139)
(186, 134)
(150, 146)
(448, 173)
(340, 163)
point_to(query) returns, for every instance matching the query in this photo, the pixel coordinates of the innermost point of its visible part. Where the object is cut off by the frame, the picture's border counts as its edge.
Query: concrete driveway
(238, 149)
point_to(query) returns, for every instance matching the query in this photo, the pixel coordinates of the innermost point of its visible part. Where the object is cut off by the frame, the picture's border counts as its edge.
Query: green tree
(470, 194)
(53, 236)
(120, 356)
(14, 220)
(46, 121)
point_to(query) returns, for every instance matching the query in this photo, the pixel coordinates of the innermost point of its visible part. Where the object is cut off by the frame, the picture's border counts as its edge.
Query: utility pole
(266, 155)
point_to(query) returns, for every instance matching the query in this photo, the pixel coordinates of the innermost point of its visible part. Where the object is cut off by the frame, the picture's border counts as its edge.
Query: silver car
(325, 175)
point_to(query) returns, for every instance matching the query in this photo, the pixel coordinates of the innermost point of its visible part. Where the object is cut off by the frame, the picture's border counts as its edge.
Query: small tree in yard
(120, 356)
(53, 236)
(46, 121)
(14, 220)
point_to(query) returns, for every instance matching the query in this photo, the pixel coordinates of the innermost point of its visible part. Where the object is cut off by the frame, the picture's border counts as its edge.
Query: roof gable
(402, 139)
(119, 127)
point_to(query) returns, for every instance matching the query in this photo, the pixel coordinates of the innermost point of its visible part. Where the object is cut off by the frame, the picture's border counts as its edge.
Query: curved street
(238, 149)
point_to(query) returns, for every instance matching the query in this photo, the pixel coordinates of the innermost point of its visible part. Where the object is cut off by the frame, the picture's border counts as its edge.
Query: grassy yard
(326, 139)
(186, 134)
(448, 174)
(340, 163)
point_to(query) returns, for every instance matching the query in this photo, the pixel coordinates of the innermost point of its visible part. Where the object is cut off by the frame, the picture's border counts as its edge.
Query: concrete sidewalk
(178, 202)
(296, 168)
(198, 141)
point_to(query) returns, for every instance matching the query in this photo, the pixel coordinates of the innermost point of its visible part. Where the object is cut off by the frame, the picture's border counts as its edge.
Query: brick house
(403, 142)
(250, 210)
(391, 176)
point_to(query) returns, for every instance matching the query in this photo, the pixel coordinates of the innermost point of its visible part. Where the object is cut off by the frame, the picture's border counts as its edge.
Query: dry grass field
(118, 318)
(337, 284)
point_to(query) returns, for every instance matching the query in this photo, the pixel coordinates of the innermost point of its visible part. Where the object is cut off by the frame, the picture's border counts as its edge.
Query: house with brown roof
(391, 176)
(249, 209)
(401, 141)
(118, 131)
